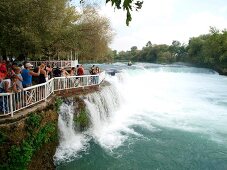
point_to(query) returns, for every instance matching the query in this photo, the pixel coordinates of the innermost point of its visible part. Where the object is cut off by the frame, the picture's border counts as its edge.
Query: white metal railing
(13, 102)
(101, 77)
(56, 63)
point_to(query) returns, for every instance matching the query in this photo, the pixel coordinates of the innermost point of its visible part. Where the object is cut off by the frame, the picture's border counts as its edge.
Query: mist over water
(151, 117)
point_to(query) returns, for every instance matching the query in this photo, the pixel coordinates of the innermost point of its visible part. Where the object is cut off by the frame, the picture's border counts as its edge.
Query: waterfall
(150, 98)
(70, 141)
(110, 116)
(100, 106)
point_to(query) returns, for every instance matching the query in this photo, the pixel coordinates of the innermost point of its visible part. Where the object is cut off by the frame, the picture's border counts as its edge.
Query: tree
(175, 49)
(94, 35)
(52, 28)
(30, 26)
(128, 5)
(196, 49)
(149, 44)
(165, 57)
(209, 50)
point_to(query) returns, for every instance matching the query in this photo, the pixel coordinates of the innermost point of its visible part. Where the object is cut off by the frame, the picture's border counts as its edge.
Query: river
(150, 117)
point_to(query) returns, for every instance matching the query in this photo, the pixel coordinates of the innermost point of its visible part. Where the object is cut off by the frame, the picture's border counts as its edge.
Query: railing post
(98, 78)
(11, 104)
(52, 84)
(45, 91)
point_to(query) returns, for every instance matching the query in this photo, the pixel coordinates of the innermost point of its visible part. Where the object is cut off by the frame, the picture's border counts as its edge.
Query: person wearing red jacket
(80, 70)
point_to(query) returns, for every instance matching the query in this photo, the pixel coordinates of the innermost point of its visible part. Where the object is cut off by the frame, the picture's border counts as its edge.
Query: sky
(162, 21)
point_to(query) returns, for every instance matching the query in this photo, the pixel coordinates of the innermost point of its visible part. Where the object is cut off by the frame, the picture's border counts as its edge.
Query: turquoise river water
(151, 117)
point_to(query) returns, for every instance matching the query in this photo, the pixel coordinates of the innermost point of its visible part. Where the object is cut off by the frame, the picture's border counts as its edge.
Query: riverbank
(218, 69)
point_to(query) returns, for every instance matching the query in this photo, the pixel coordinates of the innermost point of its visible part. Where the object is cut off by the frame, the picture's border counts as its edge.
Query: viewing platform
(15, 102)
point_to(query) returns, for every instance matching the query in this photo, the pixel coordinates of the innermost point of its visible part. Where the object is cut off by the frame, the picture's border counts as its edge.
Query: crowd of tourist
(15, 77)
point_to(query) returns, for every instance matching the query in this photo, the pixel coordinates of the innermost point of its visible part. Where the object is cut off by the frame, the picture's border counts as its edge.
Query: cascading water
(71, 142)
(151, 117)
(101, 106)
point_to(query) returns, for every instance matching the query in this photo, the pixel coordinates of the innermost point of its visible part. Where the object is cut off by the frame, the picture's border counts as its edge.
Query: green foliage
(155, 53)
(82, 119)
(209, 50)
(3, 138)
(33, 122)
(21, 155)
(53, 28)
(127, 5)
(58, 103)
(43, 136)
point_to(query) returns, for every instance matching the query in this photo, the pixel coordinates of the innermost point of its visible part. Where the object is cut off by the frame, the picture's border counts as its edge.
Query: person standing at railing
(3, 69)
(19, 77)
(77, 69)
(15, 87)
(49, 71)
(4, 85)
(97, 71)
(80, 72)
(73, 82)
(3, 99)
(11, 69)
(4, 88)
(93, 72)
(57, 72)
(63, 82)
(72, 71)
(27, 74)
(64, 73)
(43, 74)
(21, 66)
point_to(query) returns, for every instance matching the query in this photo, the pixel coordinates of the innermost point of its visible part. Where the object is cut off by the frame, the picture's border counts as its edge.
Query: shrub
(58, 103)
(82, 119)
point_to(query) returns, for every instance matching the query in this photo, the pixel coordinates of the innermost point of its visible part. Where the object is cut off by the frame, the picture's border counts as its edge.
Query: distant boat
(129, 63)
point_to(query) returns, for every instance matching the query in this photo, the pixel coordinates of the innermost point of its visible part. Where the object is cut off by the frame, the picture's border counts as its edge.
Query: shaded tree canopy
(52, 28)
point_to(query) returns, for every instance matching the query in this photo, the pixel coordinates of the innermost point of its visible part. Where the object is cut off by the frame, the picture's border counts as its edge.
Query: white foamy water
(71, 142)
(187, 99)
